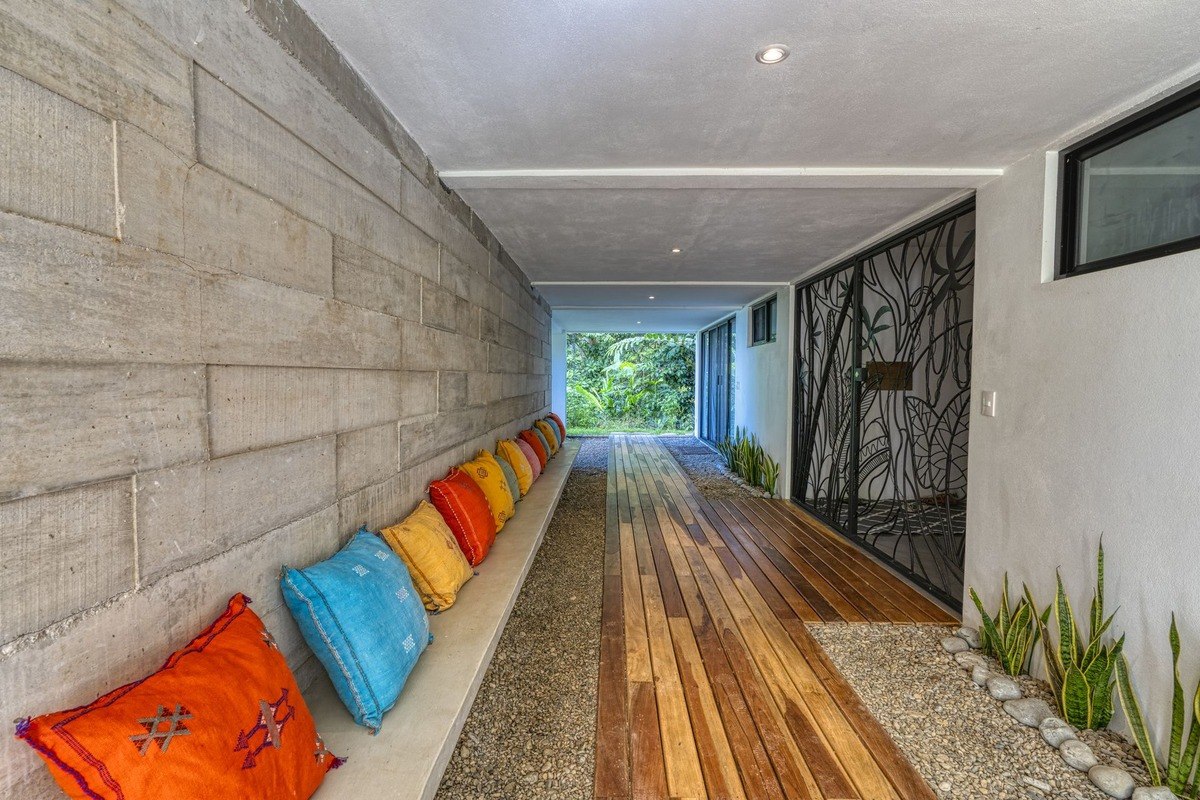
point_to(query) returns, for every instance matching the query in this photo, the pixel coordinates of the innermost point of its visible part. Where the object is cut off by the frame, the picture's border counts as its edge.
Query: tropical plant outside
(630, 383)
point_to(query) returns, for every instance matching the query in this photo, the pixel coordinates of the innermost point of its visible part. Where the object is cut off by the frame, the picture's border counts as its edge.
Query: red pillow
(465, 508)
(558, 421)
(532, 439)
(223, 717)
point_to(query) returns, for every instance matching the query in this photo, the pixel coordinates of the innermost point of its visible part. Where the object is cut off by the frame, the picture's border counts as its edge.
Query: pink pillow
(535, 463)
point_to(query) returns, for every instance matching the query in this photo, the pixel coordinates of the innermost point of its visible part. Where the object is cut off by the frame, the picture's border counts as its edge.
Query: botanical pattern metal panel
(883, 398)
(824, 395)
(916, 400)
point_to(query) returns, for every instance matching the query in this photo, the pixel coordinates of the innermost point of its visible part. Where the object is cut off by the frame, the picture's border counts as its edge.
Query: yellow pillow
(548, 432)
(484, 470)
(428, 548)
(510, 452)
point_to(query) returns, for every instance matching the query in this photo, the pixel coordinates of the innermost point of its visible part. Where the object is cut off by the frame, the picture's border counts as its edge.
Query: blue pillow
(510, 477)
(362, 617)
(542, 437)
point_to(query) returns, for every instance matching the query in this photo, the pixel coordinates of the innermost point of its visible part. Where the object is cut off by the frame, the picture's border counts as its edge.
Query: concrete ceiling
(593, 137)
(679, 307)
(724, 234)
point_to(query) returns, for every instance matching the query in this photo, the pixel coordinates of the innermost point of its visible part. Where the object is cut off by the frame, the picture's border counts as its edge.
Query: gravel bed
(957, 736)
(707, 470)
(531, 732)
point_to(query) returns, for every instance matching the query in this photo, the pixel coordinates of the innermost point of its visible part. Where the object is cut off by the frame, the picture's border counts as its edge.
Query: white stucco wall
(1095, 434)
(762, 385)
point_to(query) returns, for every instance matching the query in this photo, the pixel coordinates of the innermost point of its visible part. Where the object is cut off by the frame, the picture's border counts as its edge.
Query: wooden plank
(721, 644)
(612, 700)
(749, 754)
(684, 774)
(812, 572)
(723, 597)
(649, 777)
(813, 606)
(713, 751)
(612, 707)
(849, 565)
(773, 563)
(921, 607)
(722, 607)
(899, 771)
(834, 752)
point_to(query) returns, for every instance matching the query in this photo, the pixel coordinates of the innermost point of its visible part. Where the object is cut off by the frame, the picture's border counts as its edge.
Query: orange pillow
(223, 717)
(562, 428)
(535, 464)
(486, 473)
(465, 508)
(531, 438)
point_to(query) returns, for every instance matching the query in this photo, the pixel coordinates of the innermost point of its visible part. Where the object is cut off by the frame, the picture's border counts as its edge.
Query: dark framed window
(1132, 192)
(762, 321)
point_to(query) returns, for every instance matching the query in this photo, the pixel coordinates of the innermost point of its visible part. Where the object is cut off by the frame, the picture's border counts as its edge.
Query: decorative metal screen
(824, 393)
(883, 380)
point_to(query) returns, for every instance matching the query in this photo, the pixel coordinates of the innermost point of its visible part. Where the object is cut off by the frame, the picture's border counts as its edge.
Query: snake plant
(770, 475)
(744, 455)
(1009, 637)
(1081, 671)
(1182, 758)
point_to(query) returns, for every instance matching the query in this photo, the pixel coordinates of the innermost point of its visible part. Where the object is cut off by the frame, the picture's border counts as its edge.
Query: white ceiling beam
(724, 178)
(658, 283)
(649, 307)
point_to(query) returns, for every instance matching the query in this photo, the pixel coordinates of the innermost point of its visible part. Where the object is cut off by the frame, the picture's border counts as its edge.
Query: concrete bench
(407, 758)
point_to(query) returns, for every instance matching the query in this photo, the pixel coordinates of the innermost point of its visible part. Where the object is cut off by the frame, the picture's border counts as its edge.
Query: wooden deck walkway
(710, 684)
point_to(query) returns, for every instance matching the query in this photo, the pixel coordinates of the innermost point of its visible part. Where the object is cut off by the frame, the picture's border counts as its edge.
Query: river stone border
(1036, 713)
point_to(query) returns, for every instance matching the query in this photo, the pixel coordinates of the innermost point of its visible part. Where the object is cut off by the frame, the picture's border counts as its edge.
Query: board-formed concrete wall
(239, 318)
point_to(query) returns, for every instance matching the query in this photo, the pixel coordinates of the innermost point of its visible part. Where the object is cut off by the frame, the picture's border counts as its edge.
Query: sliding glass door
(883, 363)
(716, 382)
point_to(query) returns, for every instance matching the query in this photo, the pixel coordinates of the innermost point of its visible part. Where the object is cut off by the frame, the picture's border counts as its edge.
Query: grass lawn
(623, 429)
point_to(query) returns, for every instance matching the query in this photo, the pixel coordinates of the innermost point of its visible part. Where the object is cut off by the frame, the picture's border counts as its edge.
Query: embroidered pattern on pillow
(222, 717)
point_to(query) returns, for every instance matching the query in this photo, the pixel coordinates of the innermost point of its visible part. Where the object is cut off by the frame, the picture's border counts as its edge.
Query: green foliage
(1182, 759)
(745, 457)
(1081, 671)
(770, 475)
(1009, 636)
(619, 382)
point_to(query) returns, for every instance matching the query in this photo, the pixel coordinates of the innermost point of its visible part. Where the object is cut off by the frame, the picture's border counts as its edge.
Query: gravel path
(531, 731)
(957, 736)
(705, 468)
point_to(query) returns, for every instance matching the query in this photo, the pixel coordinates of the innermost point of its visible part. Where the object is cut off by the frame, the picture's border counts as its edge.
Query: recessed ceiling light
(676, 250)
(651, 297)
(772, 54)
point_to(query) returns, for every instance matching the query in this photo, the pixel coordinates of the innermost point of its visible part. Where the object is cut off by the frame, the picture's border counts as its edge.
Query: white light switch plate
(987, 404)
